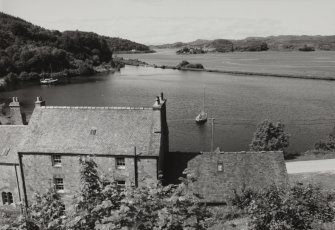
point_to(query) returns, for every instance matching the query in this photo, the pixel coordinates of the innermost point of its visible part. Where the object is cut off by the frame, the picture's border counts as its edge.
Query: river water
(238, 103)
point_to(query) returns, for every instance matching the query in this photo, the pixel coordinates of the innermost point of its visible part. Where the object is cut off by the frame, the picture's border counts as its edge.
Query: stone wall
(8, 182)
(39, 172)
(246, 169)
(175, 164)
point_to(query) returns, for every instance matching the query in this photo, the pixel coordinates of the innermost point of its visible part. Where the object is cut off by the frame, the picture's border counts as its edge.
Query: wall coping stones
(94, 107)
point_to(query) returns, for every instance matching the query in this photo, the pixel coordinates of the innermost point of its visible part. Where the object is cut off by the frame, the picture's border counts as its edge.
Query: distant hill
(27, 51)
(275, 43)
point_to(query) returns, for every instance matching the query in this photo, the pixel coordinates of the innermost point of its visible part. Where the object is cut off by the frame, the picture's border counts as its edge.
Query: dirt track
(311, 166)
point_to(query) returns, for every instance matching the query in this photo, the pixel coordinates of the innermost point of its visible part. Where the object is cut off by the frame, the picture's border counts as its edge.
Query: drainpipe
(23, 184)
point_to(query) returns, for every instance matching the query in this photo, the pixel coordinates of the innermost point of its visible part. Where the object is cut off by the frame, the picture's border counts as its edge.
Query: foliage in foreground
(102, 205)
(45, 212)
(299, 207)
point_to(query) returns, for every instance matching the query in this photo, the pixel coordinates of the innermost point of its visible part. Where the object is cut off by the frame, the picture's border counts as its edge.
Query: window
(62, 210)
(120, 163)
(121, 183)
(7, 198)
(59, 184)
(220, 166)
(93, 131)
(56, 160)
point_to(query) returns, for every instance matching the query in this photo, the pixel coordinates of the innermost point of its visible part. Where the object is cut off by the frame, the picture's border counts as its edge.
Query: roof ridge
(96, 107)
(244, 152)
(13, 126)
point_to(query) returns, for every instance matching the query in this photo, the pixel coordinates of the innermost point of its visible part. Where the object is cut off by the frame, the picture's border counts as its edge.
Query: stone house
(128, 144)
(11, 137)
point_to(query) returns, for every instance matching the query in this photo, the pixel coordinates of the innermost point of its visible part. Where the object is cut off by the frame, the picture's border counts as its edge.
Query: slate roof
(64, 129)
(11, 136)
(256, 170)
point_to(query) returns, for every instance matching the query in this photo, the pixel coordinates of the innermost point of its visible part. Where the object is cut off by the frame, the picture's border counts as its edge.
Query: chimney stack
(158, 104)
(15, 112)
(39, 102)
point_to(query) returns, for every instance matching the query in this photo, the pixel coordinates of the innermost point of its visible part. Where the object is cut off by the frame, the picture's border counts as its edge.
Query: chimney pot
(39, 102)
(162, 95)
(15, 112)
(157, 99)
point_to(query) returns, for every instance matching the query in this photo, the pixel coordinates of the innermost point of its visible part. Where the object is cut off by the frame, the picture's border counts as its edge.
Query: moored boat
(48, 81)
(202, 116)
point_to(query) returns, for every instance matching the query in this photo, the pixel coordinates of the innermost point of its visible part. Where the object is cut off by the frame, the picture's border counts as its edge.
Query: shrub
(182, 64)
(298, 208)
(45, 212)
(10, 78)
(244, 198)
(195, 66)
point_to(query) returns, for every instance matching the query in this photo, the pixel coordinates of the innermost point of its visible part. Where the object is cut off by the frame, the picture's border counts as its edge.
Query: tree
(156, 206)
(89, 197)
(269, 137)
(45, 212)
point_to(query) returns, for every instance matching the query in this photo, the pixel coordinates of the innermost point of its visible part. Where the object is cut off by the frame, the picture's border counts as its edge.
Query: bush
(182, 64)
(298, 208)
(244, 198)
(195, 66)
(186, 64)
(11, 78)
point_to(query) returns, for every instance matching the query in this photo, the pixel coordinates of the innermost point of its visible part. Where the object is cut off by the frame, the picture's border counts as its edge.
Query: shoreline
(4, 86)
(232, 72)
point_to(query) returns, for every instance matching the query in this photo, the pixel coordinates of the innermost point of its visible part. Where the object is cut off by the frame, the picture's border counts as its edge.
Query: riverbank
(9, 81)
(137, 62)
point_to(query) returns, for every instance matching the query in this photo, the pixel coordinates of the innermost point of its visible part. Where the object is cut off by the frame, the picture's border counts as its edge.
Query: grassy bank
(136, 62)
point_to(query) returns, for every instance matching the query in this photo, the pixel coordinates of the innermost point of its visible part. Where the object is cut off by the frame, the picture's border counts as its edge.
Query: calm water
(238, 103)
(319, 63)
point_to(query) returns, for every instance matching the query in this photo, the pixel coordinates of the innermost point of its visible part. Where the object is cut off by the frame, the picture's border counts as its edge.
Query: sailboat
(48, 81)
(202, 116)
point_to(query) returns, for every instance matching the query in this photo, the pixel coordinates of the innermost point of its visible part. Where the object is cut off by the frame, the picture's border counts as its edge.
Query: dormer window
(220, 166)
(93, 131)
(56, 160)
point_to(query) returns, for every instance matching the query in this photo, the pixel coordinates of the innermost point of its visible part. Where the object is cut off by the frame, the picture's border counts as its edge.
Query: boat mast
(203, 102)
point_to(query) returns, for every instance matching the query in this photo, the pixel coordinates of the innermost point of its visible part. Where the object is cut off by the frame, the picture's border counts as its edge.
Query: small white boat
(202, 116)
(48, 81)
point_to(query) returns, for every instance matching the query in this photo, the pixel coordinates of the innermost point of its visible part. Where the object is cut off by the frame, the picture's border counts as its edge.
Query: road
(311, 166)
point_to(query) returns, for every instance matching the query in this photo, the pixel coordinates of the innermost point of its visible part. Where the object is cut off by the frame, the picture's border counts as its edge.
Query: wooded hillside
(27, 50)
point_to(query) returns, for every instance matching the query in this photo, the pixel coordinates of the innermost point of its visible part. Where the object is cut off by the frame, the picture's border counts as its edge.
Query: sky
(166, 21)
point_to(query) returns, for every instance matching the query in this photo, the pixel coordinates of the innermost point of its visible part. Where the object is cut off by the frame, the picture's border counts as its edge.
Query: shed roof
(256, 170)
(11, 136)
(93, 130)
